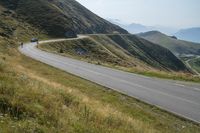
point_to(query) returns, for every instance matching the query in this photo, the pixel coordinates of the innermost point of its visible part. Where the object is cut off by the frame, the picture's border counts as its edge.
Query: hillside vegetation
(195, 64)
(65, 18)
(178, 47)
(122, 50)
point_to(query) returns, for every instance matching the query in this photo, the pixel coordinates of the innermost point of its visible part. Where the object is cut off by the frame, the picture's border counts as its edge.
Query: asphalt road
(180, 98)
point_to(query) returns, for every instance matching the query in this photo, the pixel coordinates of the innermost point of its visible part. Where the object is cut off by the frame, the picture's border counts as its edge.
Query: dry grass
(103, 110)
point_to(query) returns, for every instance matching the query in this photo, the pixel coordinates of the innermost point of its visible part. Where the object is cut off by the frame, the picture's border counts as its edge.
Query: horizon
(148, 13)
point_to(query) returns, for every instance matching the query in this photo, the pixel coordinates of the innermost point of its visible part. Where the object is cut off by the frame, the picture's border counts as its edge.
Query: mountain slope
(191, 34)
(122, 50)
(175, 45)
(65, 18)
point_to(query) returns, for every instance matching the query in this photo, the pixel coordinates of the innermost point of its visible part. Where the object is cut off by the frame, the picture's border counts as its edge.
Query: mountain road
(180, 98)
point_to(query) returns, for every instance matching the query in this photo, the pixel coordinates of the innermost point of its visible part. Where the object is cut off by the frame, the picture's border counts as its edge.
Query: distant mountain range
(138, 28)
(191, 34)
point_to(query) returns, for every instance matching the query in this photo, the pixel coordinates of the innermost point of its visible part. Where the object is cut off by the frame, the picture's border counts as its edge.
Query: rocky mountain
(60, 17)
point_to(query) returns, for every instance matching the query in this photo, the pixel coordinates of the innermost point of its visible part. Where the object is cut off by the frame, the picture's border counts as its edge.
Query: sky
(169, 13)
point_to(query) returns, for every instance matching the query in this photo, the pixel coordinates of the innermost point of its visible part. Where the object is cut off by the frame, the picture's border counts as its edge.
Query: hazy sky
(171, 13)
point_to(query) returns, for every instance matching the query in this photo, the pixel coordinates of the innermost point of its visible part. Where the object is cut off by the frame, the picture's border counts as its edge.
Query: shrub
(61, 51)
(2, 66)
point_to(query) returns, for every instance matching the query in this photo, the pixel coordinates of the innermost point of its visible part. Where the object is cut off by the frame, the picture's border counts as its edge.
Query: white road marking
(196, 89)
(180, 85)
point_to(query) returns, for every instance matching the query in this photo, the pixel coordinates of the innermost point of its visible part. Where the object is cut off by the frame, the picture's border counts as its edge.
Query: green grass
(195, 64)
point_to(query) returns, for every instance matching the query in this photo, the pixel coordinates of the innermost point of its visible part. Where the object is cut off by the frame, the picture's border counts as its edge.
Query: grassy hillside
(122, 50)
(148, 52)
(13, 30)
(84, 21)
(195, 64)
(176, 46)
(65, 18)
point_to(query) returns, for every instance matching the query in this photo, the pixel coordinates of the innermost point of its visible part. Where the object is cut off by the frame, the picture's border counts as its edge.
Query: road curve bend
(180, 98)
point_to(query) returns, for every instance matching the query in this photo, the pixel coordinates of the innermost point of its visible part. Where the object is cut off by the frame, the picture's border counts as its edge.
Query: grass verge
(195, 64)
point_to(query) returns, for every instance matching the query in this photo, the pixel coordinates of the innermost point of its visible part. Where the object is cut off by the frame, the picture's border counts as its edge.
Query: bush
(2, 66)
(61, 51)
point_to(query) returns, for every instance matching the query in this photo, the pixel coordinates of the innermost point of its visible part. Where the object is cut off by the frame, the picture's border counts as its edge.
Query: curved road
(180, 98)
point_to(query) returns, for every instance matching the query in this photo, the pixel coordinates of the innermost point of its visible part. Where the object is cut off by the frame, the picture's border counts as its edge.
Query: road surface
(180, 98)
